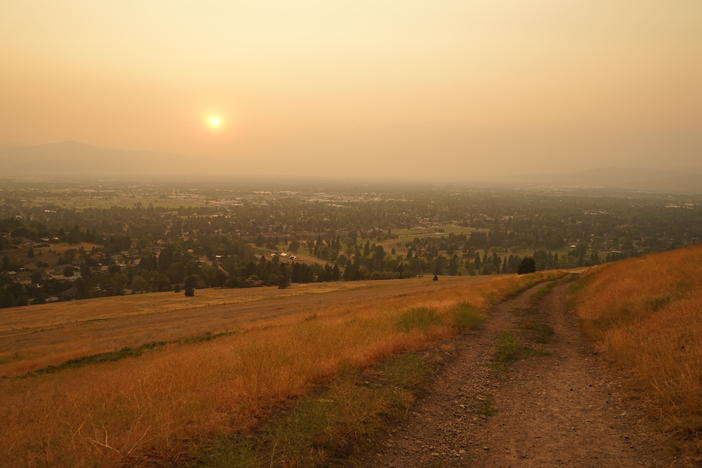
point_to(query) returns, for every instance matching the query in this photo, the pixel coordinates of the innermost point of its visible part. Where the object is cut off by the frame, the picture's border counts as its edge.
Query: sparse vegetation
(541, 332)
(484, 405)
(507, 347)
(467, 317)
(330, 422)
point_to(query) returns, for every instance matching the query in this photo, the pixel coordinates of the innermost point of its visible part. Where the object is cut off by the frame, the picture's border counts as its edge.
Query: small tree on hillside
(283, 282)
(190, 284)
(527, 265)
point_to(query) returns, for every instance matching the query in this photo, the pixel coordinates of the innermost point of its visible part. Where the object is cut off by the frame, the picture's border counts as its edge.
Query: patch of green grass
(324, 428)
(201, 338)
(507, 349)
(656, 304)
(542, 332)
(467, 317)
(99, 358)
(122, 353)
(419, 317)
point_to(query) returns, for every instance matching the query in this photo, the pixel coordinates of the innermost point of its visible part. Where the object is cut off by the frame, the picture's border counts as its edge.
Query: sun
(214, 121)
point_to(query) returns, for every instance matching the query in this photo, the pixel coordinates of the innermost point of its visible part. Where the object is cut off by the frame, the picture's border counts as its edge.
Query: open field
(168, 402)
(49, 334)
(646, 314)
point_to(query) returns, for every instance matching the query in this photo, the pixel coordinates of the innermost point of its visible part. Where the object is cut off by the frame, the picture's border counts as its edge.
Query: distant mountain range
(70, 159)
(73, 159)
(637, 179)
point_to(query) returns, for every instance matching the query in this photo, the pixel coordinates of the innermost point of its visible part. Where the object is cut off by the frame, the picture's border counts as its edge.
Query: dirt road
(552, 402)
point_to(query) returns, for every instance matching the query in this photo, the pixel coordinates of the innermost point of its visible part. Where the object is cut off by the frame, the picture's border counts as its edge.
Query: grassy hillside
(646, 313)
(165, 404)
(35, 337)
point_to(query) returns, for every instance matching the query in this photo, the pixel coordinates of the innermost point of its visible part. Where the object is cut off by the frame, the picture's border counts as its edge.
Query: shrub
(467, 317)
(527, 265)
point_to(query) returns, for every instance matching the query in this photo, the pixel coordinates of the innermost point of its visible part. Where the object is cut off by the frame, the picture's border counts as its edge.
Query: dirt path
(558, 404)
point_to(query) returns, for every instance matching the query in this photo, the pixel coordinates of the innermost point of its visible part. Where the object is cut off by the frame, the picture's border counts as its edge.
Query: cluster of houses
(283, 256)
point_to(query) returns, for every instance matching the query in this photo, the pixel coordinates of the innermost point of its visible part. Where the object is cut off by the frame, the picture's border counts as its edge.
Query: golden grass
(15, 319)
(647, 314)
(165, 404)
(49, 334)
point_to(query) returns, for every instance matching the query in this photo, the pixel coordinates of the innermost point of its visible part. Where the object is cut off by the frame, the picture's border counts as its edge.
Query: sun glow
(214, 121)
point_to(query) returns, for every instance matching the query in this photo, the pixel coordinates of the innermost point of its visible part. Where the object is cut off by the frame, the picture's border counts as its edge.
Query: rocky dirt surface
(557, 403)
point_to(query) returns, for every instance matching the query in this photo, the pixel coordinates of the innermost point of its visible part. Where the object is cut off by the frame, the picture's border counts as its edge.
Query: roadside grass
(328, 424)
(540, 331)
(417, 318)
(467, 317)
(645, 314)
(164, 407)
(507, 348)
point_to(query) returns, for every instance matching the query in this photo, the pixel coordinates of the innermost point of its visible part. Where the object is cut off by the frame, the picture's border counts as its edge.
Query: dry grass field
(49, 334)
(647, 314)
(167, 403)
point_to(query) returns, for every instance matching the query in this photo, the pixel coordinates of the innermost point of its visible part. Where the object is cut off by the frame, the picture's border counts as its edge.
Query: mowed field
(162, 406)
(38, 336)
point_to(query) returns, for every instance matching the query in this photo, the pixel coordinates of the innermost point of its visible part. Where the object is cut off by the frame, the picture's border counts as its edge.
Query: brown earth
(558, 404)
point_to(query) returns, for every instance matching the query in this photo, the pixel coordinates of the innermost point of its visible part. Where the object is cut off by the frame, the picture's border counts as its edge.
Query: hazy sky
(435, 88)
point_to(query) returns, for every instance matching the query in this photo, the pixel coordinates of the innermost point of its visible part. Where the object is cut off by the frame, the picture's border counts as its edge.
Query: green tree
(190, 285)
(527, 265)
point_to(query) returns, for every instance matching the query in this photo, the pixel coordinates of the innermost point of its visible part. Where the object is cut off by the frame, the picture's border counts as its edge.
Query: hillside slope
(49, 334)
(165, 404)
(646, 314)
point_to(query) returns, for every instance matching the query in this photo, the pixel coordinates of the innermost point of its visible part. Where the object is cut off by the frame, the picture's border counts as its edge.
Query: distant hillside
(70, 159)
(73, 159)
(673, 181)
